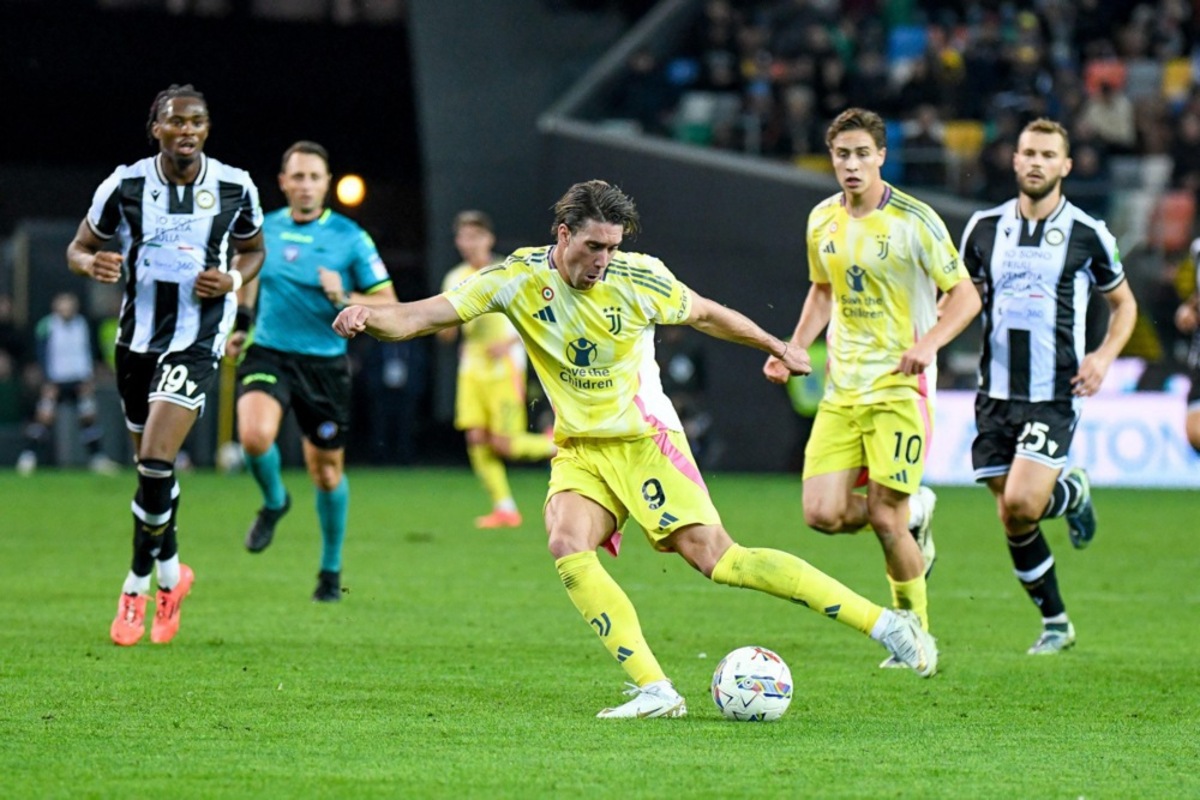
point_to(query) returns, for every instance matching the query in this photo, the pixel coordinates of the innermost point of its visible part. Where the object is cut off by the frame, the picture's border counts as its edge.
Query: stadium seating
(1171, 228)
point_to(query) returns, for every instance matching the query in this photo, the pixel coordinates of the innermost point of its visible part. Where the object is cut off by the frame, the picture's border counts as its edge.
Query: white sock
(916, 510)
(882, 624)
(168, 573)
(136, 584)
(507, 504)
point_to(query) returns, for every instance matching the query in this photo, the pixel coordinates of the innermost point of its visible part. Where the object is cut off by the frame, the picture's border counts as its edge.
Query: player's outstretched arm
(397, 322)
(818, 305)
(720, 322)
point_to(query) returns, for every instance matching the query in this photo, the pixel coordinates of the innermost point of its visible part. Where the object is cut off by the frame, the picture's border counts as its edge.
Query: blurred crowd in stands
(956, 81)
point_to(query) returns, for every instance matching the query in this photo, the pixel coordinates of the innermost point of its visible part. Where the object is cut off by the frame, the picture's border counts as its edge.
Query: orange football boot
(166, 615)
(130, 624)
(499, 519)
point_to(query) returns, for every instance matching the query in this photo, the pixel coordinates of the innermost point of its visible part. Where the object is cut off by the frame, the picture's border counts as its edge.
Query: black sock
(1034, 566)
(1065, 497)
(170, 545)
(151, 512)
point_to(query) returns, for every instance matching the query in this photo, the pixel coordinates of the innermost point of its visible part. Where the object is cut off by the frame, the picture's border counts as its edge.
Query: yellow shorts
(653, 479)
(890, 439)
(494, 404)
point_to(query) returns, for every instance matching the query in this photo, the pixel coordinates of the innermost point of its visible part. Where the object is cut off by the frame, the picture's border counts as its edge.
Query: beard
(1036, 194)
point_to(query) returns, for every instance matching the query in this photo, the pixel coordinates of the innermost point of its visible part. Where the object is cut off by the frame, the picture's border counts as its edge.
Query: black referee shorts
(317, 388)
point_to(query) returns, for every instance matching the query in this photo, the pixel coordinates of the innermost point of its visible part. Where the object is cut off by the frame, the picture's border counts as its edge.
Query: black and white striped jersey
(169, 234)
(1036, 277)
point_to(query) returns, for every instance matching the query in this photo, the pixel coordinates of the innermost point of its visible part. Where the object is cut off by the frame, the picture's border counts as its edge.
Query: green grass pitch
(456, 666)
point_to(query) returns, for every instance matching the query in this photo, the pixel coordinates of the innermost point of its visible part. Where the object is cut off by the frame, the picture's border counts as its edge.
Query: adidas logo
(899, 477)
(546, 315)
(829, 248)
(666, 519)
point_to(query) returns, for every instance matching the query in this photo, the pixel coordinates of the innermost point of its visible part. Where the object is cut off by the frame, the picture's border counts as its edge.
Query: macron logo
(546, 315)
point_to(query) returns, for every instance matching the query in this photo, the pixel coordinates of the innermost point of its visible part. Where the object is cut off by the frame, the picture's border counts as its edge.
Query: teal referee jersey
(294, 315)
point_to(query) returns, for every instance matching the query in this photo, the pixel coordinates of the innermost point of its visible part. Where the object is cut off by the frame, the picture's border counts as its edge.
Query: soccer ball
(229, 458)
(752, 684)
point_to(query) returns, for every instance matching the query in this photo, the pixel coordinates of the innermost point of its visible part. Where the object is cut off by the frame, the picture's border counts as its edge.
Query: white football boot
(658, 699)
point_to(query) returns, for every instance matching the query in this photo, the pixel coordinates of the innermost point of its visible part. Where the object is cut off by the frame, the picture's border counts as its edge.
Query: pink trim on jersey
(613, 543)
(887, 195)
(668, 449)
(923, 405)
(926, 418)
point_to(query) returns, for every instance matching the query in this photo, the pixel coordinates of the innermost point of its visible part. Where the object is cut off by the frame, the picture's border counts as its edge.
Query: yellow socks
(490, 471)
(911, 594)
(784, 575)
(531, 446)
(608, 610)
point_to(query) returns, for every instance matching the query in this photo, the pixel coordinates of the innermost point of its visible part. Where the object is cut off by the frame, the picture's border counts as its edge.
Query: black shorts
(317, 388)
(184, 378)
(73, 391)
(1009, 429)
(1193, 396)
(81, 394)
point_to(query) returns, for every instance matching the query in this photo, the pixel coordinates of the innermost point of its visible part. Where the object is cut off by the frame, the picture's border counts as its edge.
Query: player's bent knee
(256, 442)
(1020, 511)
(701, 546)
(823, 521)
(562, 544)
(327, 478)
(887, 522)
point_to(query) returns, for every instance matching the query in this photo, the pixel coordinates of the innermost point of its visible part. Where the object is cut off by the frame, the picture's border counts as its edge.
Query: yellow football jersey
(482, 333)
(884, 270)
(593, 350)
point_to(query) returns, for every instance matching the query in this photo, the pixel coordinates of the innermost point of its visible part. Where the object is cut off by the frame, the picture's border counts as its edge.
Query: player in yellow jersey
(877, 258)
(586, 311)
(489, 403)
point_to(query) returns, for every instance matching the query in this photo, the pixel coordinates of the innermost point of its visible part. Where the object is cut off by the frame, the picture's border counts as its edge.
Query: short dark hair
(599, 201)
(858, 119)
(304, 146)
(473, 217)
(170, 93)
